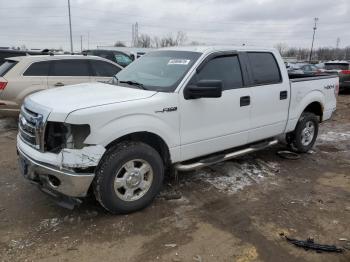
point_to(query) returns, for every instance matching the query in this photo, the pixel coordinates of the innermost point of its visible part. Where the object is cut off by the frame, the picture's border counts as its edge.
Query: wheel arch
(316, 108)
(149, 138)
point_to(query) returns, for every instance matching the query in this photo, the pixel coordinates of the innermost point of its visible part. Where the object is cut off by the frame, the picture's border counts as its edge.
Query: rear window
(337, 66)
(264, 68)
(6, 66)
(38, 69)
(70, 67)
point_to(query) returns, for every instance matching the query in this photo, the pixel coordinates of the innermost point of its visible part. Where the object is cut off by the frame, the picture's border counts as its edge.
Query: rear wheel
(304, 136)
(129, 177)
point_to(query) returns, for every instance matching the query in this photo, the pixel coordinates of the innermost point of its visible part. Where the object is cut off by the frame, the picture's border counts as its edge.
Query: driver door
(209, 125)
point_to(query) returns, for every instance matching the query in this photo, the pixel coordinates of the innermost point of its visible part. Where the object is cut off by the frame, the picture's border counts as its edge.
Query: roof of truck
(206, 49)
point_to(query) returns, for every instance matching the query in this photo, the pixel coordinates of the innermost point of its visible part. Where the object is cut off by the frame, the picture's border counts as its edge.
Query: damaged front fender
(88, 156)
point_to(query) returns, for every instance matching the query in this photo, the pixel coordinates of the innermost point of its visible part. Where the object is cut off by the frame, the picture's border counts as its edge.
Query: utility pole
(132, 35)
(313, 38)
(338, 42)
(81, 43)
(70, 28)
(88, 40)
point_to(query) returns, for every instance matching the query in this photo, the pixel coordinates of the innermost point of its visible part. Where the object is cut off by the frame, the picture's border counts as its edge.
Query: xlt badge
(167, 109)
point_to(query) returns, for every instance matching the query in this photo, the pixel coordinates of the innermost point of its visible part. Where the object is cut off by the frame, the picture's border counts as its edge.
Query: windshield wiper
(134, 83)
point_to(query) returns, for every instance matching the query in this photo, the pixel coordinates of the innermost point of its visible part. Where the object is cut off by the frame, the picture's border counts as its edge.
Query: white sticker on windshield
(178, 61)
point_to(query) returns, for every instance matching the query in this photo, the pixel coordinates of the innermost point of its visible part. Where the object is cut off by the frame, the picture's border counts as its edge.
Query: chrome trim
(33, 118)
(202, 163)
(25, 132)
(71, 184)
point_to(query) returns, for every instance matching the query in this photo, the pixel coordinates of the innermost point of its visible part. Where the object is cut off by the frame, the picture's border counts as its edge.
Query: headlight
(60, 135)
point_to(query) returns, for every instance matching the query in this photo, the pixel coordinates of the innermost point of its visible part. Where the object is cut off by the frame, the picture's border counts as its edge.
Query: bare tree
(282, 48)
(119, 44)
(181, 38)
(144, 40)
(320, 54)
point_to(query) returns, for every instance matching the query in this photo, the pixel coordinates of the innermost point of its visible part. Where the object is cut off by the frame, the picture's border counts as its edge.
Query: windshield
(159, 70)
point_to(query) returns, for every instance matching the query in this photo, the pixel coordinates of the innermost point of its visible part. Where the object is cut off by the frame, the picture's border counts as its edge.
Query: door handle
(283, 95)
(244, 101)
(59, 84)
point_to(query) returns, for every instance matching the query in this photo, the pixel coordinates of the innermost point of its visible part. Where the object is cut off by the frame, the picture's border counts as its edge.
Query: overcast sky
(44, 24)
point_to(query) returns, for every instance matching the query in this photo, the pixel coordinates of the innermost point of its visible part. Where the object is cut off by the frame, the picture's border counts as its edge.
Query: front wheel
(129, 177)
(304, 136)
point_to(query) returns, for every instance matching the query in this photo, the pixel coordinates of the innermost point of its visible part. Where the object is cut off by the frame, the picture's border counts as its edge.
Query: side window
(101, 68)
(38, 69)
(264, 68)
(70, 67)
(224, 68)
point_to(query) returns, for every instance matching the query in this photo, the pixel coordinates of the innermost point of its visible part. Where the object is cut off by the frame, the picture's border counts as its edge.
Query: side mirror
(204, 88)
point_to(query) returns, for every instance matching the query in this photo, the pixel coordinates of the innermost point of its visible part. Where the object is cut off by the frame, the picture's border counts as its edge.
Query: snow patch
(230, 177)
(332, 136)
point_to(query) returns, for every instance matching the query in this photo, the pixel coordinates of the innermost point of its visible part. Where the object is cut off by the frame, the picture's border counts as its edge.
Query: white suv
(24, 75)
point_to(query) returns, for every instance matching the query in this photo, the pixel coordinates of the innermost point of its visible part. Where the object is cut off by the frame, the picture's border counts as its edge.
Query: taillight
(345, 72)
(3, 85)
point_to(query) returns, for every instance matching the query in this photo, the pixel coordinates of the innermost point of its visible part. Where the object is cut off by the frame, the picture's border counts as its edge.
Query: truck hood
(63, 100)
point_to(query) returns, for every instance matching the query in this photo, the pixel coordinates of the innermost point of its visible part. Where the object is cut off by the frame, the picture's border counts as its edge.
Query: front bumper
(63, 181)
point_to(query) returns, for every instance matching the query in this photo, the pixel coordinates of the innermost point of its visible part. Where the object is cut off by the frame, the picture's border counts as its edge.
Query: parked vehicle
(342, 69)
(177, 108)
(294, 69)
(24, 75)
(133, 52)
(121, 58)
(310, 69)
(6, 53)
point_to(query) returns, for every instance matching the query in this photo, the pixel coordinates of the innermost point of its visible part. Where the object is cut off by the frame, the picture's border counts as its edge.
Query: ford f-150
(173, 109)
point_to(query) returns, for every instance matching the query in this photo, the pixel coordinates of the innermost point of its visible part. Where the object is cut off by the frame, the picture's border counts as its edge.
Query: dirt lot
(232, 211)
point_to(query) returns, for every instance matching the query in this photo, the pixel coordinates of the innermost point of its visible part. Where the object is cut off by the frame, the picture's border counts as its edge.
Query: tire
(304, 136)
(125, 173)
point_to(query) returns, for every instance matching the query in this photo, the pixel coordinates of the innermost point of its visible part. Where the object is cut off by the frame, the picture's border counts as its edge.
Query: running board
(219, 158)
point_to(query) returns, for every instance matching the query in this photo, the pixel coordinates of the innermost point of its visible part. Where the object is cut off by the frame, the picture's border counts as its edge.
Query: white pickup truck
(173, 109)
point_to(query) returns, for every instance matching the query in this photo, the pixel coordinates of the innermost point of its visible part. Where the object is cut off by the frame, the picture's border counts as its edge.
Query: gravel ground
(233, 211)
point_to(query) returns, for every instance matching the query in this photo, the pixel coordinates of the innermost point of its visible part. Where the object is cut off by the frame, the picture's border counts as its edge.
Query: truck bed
(307, 89)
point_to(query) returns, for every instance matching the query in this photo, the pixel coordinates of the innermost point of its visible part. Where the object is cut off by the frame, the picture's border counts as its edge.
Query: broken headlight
(60, 135)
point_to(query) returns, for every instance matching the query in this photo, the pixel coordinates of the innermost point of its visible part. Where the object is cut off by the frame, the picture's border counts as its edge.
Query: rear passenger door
(269, 96)
(102, 71)
(68, 72)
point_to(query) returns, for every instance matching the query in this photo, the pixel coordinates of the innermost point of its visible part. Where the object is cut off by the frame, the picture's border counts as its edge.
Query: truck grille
(31, 128)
